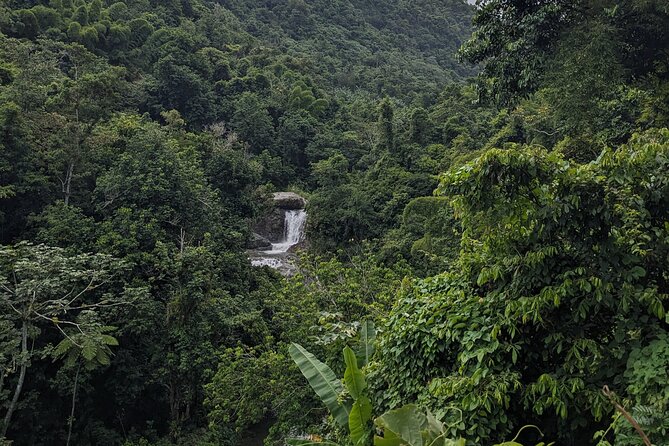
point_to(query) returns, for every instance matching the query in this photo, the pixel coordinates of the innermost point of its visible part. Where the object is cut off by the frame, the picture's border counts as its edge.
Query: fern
(647, 416)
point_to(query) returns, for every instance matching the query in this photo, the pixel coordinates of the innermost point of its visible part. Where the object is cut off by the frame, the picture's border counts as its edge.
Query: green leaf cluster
(561, 279)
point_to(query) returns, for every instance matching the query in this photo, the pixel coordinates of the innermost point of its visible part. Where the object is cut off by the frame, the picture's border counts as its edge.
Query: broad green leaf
(353, 377)
(366, 347)
(322, 379)
(358, 420)
(637, 272)
(433, 434)
(406, 423)
(409, 426)
(389, 439)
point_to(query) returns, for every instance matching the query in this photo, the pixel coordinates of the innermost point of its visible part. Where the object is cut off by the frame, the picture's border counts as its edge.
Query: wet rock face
(289, 201)
(257, 241)
(279, 234)
(300, 246)
(271, 226)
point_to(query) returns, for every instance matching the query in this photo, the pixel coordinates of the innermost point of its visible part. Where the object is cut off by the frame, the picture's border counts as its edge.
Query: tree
(196, 327)
(296, 130)
(72, 91)
(118, 11)
(81, 15)
(302, 98)
(15, 165)
(86, 96)
(42, 286)
(56, 4)
(332, 172)
(253, 123)
(420, 127)
(230, 172)
(561, 277)
(28, 25)
(386, 125)
(89, 350)
(522, 45)
(182, 88)
(154, 177)
(514, 40)
(74, 31)
(47, 17)
(94, 10)
(140, 31)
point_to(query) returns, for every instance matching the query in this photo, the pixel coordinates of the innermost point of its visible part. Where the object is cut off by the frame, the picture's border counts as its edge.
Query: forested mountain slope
(139, 139)
(391, 47)
(507, 234)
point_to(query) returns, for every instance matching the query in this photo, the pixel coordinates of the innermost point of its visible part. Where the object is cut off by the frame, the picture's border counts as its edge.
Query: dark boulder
(259, 242)
(271, 225)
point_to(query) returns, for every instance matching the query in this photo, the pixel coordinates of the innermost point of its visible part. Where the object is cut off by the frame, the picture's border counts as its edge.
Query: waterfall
(294, 225)
(293, 230)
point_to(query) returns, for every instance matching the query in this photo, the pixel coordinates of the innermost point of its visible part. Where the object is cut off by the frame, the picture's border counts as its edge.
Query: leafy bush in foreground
(561, 282)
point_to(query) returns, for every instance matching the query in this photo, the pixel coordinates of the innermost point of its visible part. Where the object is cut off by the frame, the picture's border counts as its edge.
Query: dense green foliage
(320, 308)
(507, 236)
(352, 409)
(389, 47)
(549, 296)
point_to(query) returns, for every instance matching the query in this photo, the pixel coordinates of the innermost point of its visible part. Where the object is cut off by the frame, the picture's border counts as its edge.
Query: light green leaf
(433, 434)
(406, 423)
(102, 357)
(358, 420)
(71, 358)
(62, 348)
(109, 340)
(409, 426)
(366, 347)
(89, 350)
(322, 379)
(353, 377)
(389, 439)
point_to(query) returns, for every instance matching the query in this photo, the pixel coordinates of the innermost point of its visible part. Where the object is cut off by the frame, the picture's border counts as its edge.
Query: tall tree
(42, 287)
(386, 125)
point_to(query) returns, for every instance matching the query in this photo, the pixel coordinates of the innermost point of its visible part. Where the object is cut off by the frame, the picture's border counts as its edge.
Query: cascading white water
(293, 233)
(293, 230)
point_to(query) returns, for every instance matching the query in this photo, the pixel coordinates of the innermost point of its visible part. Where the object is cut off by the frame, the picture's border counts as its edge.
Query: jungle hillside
(478, 235)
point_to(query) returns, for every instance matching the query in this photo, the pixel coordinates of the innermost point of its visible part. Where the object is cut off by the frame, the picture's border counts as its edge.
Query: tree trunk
(2, 380)
(74, 402)
(182, 240)
(22, 377)
(67, 184)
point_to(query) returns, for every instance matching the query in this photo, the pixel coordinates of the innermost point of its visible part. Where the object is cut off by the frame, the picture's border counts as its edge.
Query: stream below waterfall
(280, 257)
